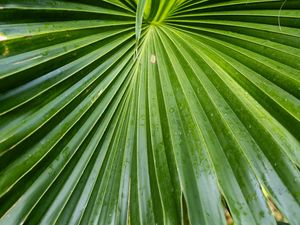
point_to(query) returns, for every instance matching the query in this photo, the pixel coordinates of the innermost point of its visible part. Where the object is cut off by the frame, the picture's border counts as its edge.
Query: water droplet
(153, 59)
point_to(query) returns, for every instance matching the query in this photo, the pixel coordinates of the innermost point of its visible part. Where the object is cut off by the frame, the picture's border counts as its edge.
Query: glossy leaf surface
(149, 111)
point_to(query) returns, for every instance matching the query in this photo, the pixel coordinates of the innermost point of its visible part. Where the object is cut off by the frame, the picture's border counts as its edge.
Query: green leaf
(139, 18)
(149, 112)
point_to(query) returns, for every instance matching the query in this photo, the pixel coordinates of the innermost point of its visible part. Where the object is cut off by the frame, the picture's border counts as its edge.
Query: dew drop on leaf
(153, 59)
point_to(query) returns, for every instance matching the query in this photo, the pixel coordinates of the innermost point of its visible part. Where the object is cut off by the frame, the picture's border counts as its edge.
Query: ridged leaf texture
(149, 112)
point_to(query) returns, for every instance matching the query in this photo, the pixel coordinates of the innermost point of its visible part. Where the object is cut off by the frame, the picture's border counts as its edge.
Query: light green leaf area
(151, 112)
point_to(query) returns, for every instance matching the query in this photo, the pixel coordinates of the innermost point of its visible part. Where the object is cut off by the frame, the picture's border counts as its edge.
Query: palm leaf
(149, 112)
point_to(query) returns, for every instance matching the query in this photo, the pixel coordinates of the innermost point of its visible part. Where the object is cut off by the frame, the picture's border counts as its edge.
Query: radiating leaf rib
(88, 188)
(98, 213)
(265, 85)
(25, 30)
(98, 111)
(45, 113)
(206, 175)
(169, 199)
(36, 87)
(149, 112)
(244, 218)
(139, 18)
(292, 180)
(86, 198)
(284, 53)
(185, 190)
(40, 150)
(59, 6)
(206, 4)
